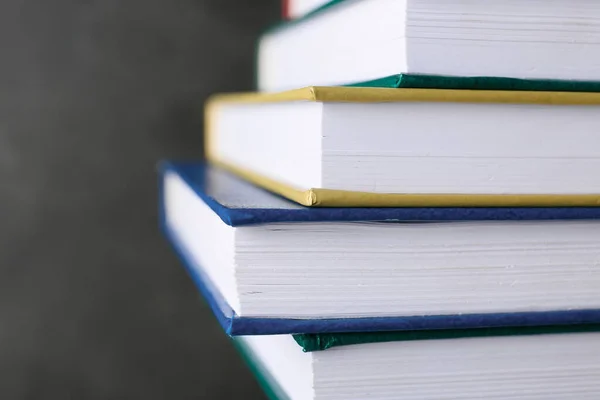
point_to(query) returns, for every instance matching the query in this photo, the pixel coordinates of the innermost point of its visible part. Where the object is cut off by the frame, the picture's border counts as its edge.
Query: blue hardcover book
(269, 266)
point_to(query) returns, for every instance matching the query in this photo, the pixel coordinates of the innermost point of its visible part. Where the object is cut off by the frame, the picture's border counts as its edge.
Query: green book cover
(324, 341)
(419, 81)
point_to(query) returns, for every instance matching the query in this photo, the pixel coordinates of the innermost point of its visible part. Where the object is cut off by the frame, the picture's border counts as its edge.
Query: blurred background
(93, 93)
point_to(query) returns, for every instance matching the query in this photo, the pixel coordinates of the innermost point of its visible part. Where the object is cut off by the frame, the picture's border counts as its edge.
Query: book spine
(285, 9)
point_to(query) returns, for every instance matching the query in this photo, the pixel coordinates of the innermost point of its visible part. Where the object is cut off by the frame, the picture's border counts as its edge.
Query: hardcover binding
(317, 197)
(251, 205)
(323, 197)
(324, 341)
(422, 81)
(235, 325)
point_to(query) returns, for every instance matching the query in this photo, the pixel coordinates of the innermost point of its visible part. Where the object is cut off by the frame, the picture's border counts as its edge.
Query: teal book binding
(324, 341)
(320, 342)
(417, 81)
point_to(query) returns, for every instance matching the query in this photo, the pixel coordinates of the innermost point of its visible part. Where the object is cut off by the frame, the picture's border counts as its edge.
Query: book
(378, 147)
(295, 9)
(521, 366)
(361, 40)
(269, 266)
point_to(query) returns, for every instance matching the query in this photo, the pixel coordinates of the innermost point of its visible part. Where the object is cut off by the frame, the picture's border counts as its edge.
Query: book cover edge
(316, 197)
(324, 341)
(306, 198)
(353, 94)
(342, 198)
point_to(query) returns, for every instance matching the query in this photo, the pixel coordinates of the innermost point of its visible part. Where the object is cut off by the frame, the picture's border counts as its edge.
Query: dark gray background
(93, 303)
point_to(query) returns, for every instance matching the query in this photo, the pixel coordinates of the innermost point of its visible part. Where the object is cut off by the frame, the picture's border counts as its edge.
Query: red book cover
(285, 9)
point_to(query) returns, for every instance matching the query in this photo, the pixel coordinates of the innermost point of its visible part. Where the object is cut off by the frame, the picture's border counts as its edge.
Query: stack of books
(408, 207)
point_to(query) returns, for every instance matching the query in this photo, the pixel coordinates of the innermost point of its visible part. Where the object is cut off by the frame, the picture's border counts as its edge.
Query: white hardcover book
(361, 40)
(539, 367)
(414, 141)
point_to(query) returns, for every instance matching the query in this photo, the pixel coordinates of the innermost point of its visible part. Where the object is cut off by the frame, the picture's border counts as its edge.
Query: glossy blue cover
(228, 196)
(239, 203)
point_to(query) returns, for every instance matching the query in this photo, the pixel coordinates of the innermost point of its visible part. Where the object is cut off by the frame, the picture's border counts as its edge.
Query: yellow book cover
(324, 197)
